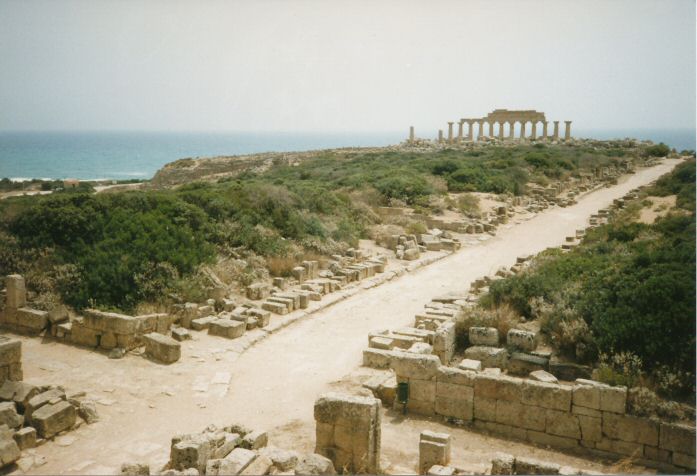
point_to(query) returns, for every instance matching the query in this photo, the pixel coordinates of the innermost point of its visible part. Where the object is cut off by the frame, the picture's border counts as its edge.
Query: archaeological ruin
(500, 124)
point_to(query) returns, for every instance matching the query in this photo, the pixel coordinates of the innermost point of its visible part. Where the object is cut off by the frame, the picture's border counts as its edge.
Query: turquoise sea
(138, 155)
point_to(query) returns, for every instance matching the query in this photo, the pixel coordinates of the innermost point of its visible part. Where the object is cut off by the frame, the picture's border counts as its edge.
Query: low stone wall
(585, 416)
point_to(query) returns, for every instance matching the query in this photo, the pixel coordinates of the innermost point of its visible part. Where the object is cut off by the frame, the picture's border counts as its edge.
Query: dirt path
(275, 382)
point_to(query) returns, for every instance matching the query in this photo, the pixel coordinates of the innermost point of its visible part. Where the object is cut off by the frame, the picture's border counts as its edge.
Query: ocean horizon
(138, 155)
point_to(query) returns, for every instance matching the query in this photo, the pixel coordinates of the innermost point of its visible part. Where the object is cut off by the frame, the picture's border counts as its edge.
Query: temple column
(411, 134)
(522, 129)
(512, 130)
(491, 130)
(450, 132)
(555, 135)
(459, 130)
(440, 136)
(567, 130)
(501, 130)
(533, 132)
(544, 129)
(470, 132)
(481, 130)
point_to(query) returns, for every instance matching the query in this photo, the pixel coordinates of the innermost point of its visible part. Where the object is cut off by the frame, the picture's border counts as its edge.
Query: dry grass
(502, 318)
(280, 265)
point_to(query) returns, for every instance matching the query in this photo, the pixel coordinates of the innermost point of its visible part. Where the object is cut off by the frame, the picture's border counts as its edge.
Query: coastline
(107, 156)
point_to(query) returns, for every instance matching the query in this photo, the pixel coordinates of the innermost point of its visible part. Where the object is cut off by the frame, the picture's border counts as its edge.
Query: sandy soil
(273, 384)
(660, 206)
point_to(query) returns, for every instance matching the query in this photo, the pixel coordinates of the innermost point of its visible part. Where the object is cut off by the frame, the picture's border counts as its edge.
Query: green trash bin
(403, 395)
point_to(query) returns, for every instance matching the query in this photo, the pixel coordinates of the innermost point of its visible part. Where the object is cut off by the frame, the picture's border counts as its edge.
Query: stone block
(9, 415)
(283, 460)
(434, 448)
(657, 454)
(415, 366)
(191, 452)
(135, 469)
(260, 465)
(275, 307)
(591, 427)
(489, 356)
(227, 328)
(499, 387)
(517, 414)
(483, 336)
(502, 463)
(630, 428)
(181, 334)
(377, 358)
(16, 296)
(41, 399)
(522, 340)
(568, 371)
(562, 424)
(10, 351)
(684, 461)
(202, 323)
(234, 463)
(110, 321)
(522, 364)
(525, 465)
(542, 376)
(258, 291)
(438, 470)
(587, 396)
(82, 335)
(315, 464)
(9, 451)
(255, 440)
(547, 395)
(677, 437)
(484, 408)
(613, 399)
(18, 392)
(25, 438)
(51, 419)
(161, 348)
(422, 390)
(32, 320)
(460, 406)
(635, 450)
(470, 364)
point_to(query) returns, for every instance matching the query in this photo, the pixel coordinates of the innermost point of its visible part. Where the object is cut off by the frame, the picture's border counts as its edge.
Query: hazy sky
(343, 65)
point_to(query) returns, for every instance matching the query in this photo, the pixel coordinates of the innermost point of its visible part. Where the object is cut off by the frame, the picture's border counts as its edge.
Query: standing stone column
(481, 130)
(16, 294)
(450, 132)
(567, 130)
(533, 132)
(544, 129)
(459, 130)
(440, 136)
(555, 135)
(511, 132)
(501, 130)
(411, 134)
(348, 432)
(470, 132)
(522, 129)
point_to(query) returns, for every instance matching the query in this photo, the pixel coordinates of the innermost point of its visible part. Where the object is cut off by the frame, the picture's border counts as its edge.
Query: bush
(658, 150)
(623, 368)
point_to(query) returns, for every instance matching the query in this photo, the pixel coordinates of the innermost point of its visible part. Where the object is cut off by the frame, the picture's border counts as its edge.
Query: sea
(138, 155)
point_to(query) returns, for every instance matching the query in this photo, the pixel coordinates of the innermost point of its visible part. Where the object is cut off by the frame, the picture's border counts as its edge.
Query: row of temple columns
(481, 122)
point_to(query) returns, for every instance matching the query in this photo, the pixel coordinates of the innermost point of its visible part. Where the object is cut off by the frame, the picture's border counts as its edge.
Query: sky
(343, 66)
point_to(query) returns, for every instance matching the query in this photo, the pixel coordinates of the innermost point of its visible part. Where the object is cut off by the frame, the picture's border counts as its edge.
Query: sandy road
(276, 381)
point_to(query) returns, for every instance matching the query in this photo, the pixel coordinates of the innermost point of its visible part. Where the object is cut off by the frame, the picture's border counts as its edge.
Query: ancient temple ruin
(500, 124)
